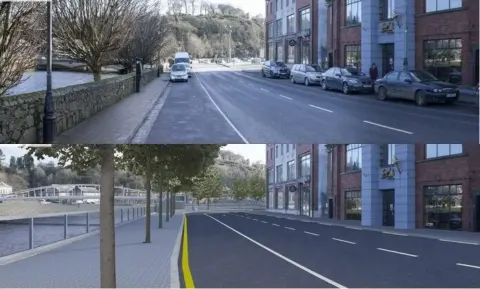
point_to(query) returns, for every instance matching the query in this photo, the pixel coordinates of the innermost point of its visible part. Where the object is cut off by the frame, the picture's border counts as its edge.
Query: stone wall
(21, 115)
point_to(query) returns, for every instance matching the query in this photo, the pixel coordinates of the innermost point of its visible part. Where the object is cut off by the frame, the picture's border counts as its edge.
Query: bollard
(138, 75)
(88, 223)
(30, 233)
(121, 215)
(65, 226)
(128, 214)
(158, 71)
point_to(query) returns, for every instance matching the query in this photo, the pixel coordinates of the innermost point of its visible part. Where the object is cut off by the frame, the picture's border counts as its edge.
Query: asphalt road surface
(223, 105)
(243, 250)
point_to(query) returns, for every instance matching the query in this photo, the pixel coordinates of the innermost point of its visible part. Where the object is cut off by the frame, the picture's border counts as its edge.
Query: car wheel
(292, 80)
(324, 85)
(420, 98)
(382, 93)
(307, 82)
(186, 80)
(345, 88)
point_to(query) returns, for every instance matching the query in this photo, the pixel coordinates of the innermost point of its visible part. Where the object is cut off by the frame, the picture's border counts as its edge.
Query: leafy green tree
(2, 159)
(256, 187)
(240, 189)
(209, 185)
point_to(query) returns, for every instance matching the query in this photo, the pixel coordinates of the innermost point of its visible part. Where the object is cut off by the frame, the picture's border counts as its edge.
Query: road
(229, 106)
(240, 250)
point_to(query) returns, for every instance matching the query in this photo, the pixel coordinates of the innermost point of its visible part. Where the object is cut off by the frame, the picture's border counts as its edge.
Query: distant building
(5, 189)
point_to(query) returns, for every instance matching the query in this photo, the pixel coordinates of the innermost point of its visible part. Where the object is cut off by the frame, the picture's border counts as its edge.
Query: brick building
(440, 36)
(291, 33)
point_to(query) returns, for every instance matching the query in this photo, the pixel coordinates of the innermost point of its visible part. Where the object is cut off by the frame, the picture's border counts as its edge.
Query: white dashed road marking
(264, 222)
(320, 108)
(396, 252)
(264, 89)
(311, 272)
(289, 228)
(276, 225)
(469, 266)
(250, 84)
(353, 228)
(459, 242)
(255, 219)
(310, 233)
(344, 241)
(285, 97)
(388, 127)
(393, 233)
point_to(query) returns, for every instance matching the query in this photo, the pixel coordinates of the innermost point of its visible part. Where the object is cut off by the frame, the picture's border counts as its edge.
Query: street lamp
(49, 118)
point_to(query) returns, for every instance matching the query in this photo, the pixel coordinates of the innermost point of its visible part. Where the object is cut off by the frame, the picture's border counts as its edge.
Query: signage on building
(388, 173)
(292, 42)
(292, 188)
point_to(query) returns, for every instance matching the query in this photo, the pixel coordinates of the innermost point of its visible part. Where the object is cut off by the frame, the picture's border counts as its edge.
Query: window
(442, 150)
(277, 5)
(442, 5)
(404, 76)
(270, 30)
(271, 7)
(443, 58)
(279, 174)
(353, 12)
(305, 166)
(291, 170)
(282, 146)
(279, 27)
(270, 176)
(353, 205)
(280, 56)
(387, 8)
(353, 157)
(271, 51)
(293, 146)
(387, 155)
(443, 207)
(291, 24)
(271, 153)
(276, 151)
(393, 76)
(305, 19)
(353, 56)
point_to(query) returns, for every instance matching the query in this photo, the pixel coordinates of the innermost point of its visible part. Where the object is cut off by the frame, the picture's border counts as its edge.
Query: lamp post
(229, 44)
(49, 118)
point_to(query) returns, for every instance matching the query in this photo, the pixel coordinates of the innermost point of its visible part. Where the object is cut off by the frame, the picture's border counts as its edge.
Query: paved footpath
(119, 122)
(77, 265)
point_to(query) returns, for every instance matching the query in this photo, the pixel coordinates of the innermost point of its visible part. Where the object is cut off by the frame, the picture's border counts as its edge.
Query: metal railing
(227, 206)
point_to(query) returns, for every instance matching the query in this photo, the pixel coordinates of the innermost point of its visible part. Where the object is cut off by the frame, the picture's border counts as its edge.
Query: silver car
(307, 74)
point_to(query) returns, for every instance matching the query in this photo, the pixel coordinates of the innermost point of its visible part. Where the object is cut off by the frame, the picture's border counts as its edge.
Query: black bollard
(158, 71)
(138, 75)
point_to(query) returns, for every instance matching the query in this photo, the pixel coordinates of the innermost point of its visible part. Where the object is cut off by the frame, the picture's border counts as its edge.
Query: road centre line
(353, 228)
(220, 111)
(311, 272)
(321, 108)
(388, 127)
(265, 222)
(310, 233)
(265, 89)
(286, 97)
(469, 266)
(397, 252)
(459, 242)
(276, 225)
(393, 233)
(290, 228)
(255, 219)
(250, 84)
(344, 241)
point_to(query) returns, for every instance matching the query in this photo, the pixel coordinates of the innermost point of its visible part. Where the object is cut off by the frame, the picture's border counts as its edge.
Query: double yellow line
(187, 274)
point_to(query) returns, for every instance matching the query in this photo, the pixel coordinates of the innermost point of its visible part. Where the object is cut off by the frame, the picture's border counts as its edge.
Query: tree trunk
(172, 207)
(148, 187)
(160, 209)
(107, 218)
(96, 70)
(208, 203)
(167, 207)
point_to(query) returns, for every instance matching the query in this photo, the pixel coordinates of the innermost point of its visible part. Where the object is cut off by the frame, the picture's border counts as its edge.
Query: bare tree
(193, 4)
(175, 6)
(93, 31)
(20, 40)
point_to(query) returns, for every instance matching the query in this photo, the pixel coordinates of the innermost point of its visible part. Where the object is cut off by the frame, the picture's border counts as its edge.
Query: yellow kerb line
(187, 275)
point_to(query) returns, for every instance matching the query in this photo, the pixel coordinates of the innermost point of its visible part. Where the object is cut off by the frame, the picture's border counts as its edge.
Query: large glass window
(442, 150)
(442, 5)
(270, 30)
(270, 176)
(353, 56)
(353, 157)
(291, 24)
(280, 200)
(353, 205)
(305, 19)
(279, 27)
(443, 207)
(387, 8)
(271, 51)
(353, 12)
(390, 153)
(305, 166)
(291, 170)
(279, 175)
(443, 58)
(305, 53)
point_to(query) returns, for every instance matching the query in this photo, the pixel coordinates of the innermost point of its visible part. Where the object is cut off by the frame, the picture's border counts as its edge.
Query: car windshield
(313, 68)
(278, 63)
(349, 71)
(178, 68)
(182, 60)
(420, 75)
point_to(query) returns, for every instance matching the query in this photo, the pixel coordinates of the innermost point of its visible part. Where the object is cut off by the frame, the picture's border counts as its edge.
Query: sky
(254, 152)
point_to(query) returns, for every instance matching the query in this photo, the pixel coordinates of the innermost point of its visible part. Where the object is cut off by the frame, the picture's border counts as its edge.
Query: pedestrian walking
(373, 72)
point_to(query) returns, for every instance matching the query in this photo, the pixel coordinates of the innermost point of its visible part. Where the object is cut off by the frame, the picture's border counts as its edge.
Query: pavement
(225, 105)
(76, 265)
(241, 250)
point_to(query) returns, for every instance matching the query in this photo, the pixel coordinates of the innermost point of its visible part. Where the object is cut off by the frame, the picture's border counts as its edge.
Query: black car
(417, 85)
(275, 69)
(346, 79)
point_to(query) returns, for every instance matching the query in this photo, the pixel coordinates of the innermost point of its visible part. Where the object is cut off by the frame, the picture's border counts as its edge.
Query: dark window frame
(353, 201)
(427, 10)
(291, 24)
(355, 19)
(279, 26)
(450, 154)
(279, 173)
(354, 49)
(440, 57)
(291, 170)
(302, 172)
(386, 10)
(270, 176)
(352, 149)
(437, 206)
(303, 19)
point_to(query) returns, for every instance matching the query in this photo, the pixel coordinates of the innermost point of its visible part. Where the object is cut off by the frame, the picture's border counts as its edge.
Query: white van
(184, 58)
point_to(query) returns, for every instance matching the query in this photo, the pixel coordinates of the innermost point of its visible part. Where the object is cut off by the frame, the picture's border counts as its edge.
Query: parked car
(306, 73)
(346, 79)
(275, 69)
(179, 72)
(417, 85)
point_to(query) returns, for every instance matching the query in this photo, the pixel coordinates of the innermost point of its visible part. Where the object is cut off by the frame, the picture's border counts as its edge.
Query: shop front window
(305, 209)
(353, 205)
(443, 207)
(280, 200)
(306, 53)
(271, 52)
(443, 58)
(353, 56)
(353, 158)
(271, 200)
(291, 54)
(292, 200)
(279, 52)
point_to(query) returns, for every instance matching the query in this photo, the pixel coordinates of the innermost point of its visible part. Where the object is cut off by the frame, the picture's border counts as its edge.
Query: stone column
(322, 34)
(406, 14)
(371, 50)
(372, 199)
(405, 187)
(322, 178)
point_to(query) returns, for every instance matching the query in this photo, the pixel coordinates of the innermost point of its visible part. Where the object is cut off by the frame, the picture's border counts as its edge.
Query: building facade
(291, 31)
(5, 189)
(440, 36)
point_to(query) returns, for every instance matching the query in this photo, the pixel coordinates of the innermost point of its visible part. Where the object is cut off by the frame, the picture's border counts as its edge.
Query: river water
(37, 80)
